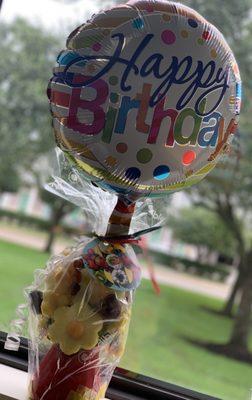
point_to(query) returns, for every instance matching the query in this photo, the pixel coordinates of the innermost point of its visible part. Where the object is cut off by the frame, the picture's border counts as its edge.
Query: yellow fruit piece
(118, 246)
(74, 328)
(129, 274)
(108, 276)
(52, 300)
(97, 292)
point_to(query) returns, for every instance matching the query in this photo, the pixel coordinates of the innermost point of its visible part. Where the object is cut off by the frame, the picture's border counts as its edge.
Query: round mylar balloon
(145, 99)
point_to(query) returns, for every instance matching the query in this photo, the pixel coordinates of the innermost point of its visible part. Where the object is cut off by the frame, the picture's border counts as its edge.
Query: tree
(27, 57)
(41, 173)
(227, 191)
(9, 177)
(59, 209)
(239, 341)
(202, 228)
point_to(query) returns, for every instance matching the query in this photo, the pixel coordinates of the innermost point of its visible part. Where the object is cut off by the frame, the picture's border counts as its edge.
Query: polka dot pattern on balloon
(138, 23)
(111, 161)
(232, 100)
(236, 68)
(168, 37)
(166, 17)
(184, 34)
(121, 147)
(193, 23)
(161, 172)
(149, 8)
(206, 35)
(213, 53)
(114, 97)
(128, 145)
(144, 156)
(188, 157)
(133, 173)
(96, 46)
(113, 80)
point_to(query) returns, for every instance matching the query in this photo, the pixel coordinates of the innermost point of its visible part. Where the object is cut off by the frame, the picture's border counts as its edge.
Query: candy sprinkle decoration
(115, 269)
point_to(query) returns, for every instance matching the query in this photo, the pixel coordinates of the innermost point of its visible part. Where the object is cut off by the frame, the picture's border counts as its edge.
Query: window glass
(195, 332)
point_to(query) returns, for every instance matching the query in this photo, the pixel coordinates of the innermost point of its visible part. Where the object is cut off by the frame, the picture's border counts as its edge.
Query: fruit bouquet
(144, 101)
(82, 311)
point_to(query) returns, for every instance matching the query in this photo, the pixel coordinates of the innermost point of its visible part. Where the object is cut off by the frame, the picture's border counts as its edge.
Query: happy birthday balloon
(145, 98)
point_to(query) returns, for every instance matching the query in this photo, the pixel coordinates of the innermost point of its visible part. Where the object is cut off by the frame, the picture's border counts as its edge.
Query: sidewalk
(164, 275)
(35, 240)
(170, 277)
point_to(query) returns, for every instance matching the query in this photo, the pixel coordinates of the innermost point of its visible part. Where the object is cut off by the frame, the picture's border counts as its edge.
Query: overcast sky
(56, 15)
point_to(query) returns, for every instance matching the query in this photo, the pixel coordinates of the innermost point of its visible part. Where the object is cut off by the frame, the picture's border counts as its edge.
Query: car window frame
(124, 385)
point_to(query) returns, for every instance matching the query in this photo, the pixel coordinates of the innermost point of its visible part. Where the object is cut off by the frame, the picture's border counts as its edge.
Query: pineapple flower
(53, 300)
(93, 292)
(119, 324)
(117, 345)
(64, 275)
(62, 284)
(75, 328)
(114, 336)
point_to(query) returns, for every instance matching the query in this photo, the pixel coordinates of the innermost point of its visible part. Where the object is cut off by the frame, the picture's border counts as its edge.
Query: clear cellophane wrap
(78, 324)
(80, 304)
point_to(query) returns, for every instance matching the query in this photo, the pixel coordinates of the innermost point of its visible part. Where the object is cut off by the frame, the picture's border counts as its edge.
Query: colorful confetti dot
(200, 41)
(168, 37)
(121, 147)
(213, 53)
(111, 161)
(144, 156)
(149, 8)
(96, 46)
(192, 23)
(133, 173)
(184, 34)
(236, 69)
(238, 90)
(232, 100)
(138, 23)
(206, 35)
(166, 17)
(161, 172)
(113, 80)
(114, 97)
(188, 157)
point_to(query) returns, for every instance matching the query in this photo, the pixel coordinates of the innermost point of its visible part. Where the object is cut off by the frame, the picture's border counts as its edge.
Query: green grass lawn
(155, 346)
(17, 264)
